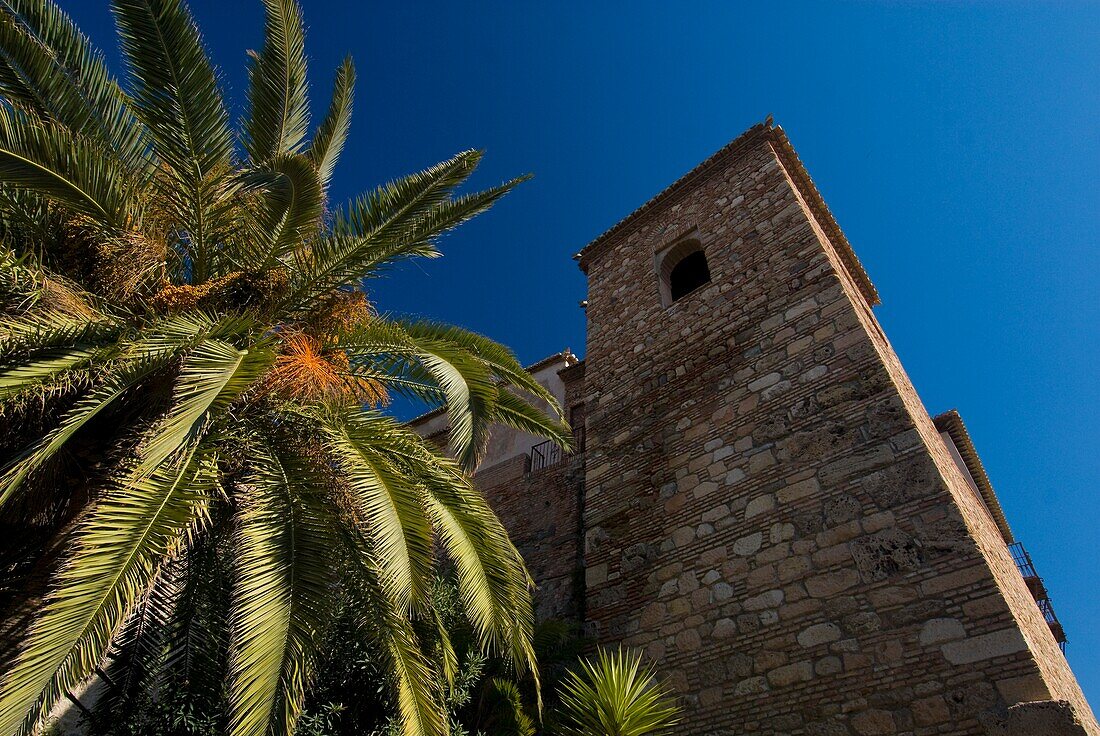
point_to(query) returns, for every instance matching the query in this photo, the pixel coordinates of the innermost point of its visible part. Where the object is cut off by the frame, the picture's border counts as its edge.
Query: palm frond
(175, 93)
(493, 581)
(48, 66)
(117, 384)
(385, 501)
(419, 705)
(328, 141)
(517, 413)
(501, 709)
(183, 331)
(376, 228)
(467, 373)
(211, 377)
(43, 330)
(119, 547)
(197, 634)
(283, 594)
(50, 160)
(499, 359)
(295, 201)
(278, 116)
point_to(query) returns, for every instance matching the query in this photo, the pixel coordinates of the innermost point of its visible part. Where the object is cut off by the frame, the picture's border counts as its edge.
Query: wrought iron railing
(1038, 591)
(548, 453)
(545, 454)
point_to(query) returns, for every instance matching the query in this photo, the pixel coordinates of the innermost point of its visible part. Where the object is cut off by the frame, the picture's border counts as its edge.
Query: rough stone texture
(1046, 717)
(768, 511)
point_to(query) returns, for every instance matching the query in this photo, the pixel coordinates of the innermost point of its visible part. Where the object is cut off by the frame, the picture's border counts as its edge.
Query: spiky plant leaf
(50, 160)
(142, 521)
(49, 67)
(283, 595)
(616, 695)
(384, 500)
(192, 385)
(175, 94)
(328, 141)
(278, 115)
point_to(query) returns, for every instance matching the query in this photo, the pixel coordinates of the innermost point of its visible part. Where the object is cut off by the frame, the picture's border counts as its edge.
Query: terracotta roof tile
(951, 423)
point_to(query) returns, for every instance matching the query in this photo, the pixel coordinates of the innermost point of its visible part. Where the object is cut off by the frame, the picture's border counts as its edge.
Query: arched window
(688, 275)
(683, 269)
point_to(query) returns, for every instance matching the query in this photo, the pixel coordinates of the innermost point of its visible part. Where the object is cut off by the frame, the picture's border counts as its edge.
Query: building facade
(759, 501)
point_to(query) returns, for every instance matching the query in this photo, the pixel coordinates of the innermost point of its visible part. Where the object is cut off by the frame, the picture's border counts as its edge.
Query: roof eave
(951, 422)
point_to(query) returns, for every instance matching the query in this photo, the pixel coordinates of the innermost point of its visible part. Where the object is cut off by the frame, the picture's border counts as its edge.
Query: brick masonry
(765, 507)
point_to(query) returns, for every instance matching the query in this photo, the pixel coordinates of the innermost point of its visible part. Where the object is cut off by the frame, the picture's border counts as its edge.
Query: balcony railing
(547, 454)
(1038, 591)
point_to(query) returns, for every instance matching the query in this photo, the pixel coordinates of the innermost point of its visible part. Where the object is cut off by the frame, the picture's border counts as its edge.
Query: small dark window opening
(688, 275)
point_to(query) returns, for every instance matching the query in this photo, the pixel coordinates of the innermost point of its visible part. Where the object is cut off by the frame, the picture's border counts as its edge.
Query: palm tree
(615, 695)
(193, 384)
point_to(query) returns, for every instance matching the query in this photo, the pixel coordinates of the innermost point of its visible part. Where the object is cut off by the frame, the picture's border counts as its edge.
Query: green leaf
(420, 710)
(278, 118)
(493, 581)
(50, 160)
(117, 384)
(175, 93)
(615, 694)
(283, 597)
(295, 202)
(465, 372)
(515, 412)
(385, 501)
(49, 67)
(499, 359)
(328, 141)
(119, 547)
(212, 376)
(376, 229)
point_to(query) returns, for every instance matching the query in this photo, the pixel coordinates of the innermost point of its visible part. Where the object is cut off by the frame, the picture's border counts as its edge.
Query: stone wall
(542, 511)
(769, 512)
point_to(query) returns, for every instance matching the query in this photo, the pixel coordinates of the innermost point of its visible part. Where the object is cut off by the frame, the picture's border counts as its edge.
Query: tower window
(688, 275)
(682, 268)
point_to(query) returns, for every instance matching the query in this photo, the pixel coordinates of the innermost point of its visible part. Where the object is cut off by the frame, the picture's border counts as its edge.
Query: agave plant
(615, 695)
(192, 381)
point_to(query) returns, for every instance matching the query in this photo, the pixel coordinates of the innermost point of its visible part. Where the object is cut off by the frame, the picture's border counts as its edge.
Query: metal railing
(1038, 591)
(548, 453)
(545, 454)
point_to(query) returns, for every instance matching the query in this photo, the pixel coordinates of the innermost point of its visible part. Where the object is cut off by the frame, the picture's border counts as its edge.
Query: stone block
(985, 646)
(818, 634)
(790, 674)
(748, 544)
(759, 505)
(770, 599)
(831, 583)
(874, 723)
(939, 630)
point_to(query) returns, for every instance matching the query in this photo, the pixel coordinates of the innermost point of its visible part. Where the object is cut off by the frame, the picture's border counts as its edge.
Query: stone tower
(760, 502)
(770, 513)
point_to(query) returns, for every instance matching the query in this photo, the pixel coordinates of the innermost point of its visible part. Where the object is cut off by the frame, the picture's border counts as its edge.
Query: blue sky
(957, 144)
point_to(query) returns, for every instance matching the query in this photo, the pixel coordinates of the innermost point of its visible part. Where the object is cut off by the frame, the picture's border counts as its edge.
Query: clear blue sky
(957, 144)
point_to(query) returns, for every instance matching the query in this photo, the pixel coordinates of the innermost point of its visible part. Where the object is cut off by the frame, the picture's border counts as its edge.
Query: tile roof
(951, 423)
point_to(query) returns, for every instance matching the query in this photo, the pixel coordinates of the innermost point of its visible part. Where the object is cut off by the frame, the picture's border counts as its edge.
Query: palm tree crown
(193, 382)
